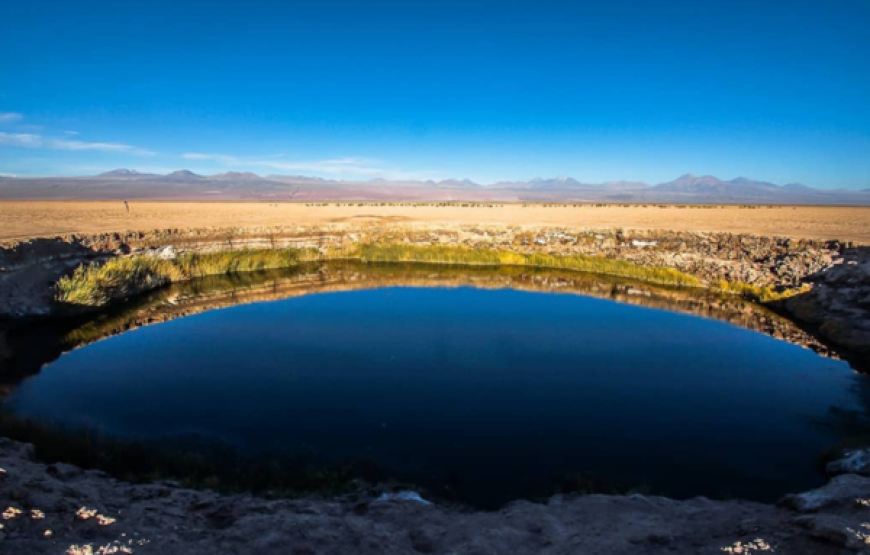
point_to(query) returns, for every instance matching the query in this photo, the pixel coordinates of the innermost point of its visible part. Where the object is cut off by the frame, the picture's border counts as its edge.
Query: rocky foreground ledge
(61, 509)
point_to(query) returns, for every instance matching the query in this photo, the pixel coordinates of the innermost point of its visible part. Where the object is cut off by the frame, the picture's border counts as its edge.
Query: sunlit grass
(491, 257)
(755, 293)
(118, 278)
(97, 284)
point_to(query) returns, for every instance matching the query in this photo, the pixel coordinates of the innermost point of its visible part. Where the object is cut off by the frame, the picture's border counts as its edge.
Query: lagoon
(477, 395)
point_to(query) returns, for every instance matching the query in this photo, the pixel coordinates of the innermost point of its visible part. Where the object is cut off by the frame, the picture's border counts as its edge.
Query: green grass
(757, 294)
(97, 284)
(118, 278)
(491, 257)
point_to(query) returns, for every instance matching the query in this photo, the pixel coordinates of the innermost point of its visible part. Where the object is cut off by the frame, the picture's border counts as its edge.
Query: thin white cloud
(349, 166)
(361, 167)
(28, 140)
(108, 147)
(9, 117)
(71, 133)
(32, 140)
(335, 165)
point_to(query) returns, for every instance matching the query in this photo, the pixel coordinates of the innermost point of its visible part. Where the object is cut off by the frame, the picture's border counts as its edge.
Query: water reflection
(35, 346)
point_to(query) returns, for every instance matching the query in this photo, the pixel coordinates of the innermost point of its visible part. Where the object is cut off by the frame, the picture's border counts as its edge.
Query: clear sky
(509, 89)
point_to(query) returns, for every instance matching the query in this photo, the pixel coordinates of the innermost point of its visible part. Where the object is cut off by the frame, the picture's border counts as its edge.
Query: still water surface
(481, 395)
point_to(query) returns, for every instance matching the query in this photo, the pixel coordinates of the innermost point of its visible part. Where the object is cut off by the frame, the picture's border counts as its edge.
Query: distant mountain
(457, 184)
(752, 183)
(569, 184)
(709, 184)
(798, 187)
(557, 183)
(295, 178)
(541, 184)
(624, 185)
(184, 184)
(735, 189)
(183, 176)
(123, 173)
(236, 176)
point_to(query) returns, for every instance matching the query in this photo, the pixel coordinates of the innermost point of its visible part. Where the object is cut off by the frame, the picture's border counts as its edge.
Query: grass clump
(117, 278)
(234, 262)
(766, 294)
(96, 285)
(492, 257)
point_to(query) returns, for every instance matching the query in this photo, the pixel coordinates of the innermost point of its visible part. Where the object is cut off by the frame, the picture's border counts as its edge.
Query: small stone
(63, 471)
(10, 513)
(86, 514)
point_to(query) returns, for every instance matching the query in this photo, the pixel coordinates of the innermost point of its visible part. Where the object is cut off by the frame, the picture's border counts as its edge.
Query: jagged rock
(166, 253)
(845, 490)
(855, 461)
(63, 471)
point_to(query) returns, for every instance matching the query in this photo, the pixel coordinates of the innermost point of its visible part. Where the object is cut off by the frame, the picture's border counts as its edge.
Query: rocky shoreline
(752, 259)
(834, 301)
(59, 508)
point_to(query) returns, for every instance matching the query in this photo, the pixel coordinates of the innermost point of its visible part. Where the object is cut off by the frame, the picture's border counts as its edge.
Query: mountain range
(186, 185)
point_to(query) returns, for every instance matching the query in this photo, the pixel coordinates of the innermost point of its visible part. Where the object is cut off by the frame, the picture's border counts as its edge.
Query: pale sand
(25, 219)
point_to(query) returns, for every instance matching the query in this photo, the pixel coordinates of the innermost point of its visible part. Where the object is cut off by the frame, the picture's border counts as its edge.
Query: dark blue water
(487, 395)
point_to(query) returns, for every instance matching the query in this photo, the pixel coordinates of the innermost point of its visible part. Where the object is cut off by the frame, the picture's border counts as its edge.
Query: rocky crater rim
(832, 278)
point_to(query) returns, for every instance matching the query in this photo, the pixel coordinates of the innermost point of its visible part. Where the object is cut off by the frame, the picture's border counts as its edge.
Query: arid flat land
(27, 219)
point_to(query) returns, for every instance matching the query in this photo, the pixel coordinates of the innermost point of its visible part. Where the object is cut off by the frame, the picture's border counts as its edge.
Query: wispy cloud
(32, 140)
(28, 140)
(333, 165)
(9, 117)
(348, 167)
(71, 133)
(108, 147)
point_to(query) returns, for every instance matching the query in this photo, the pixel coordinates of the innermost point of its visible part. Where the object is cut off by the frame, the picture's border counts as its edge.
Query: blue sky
(489, 90)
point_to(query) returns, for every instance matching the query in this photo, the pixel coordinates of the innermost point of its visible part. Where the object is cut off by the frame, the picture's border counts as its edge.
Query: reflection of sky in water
(504, 389)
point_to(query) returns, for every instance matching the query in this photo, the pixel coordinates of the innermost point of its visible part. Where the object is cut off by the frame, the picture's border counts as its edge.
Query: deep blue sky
(599, 90)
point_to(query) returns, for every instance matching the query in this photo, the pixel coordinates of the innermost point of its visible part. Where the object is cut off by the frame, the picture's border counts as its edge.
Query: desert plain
(29, 219)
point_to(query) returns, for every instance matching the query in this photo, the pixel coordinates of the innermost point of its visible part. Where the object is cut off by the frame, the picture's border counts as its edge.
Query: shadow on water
(202, 462)
(851, 421)
(24, 351)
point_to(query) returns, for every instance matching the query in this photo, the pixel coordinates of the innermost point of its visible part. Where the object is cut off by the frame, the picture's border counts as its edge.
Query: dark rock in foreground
(62, 509)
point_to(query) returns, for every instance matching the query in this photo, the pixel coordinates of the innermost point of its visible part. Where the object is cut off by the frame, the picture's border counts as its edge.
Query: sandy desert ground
(25, 219)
